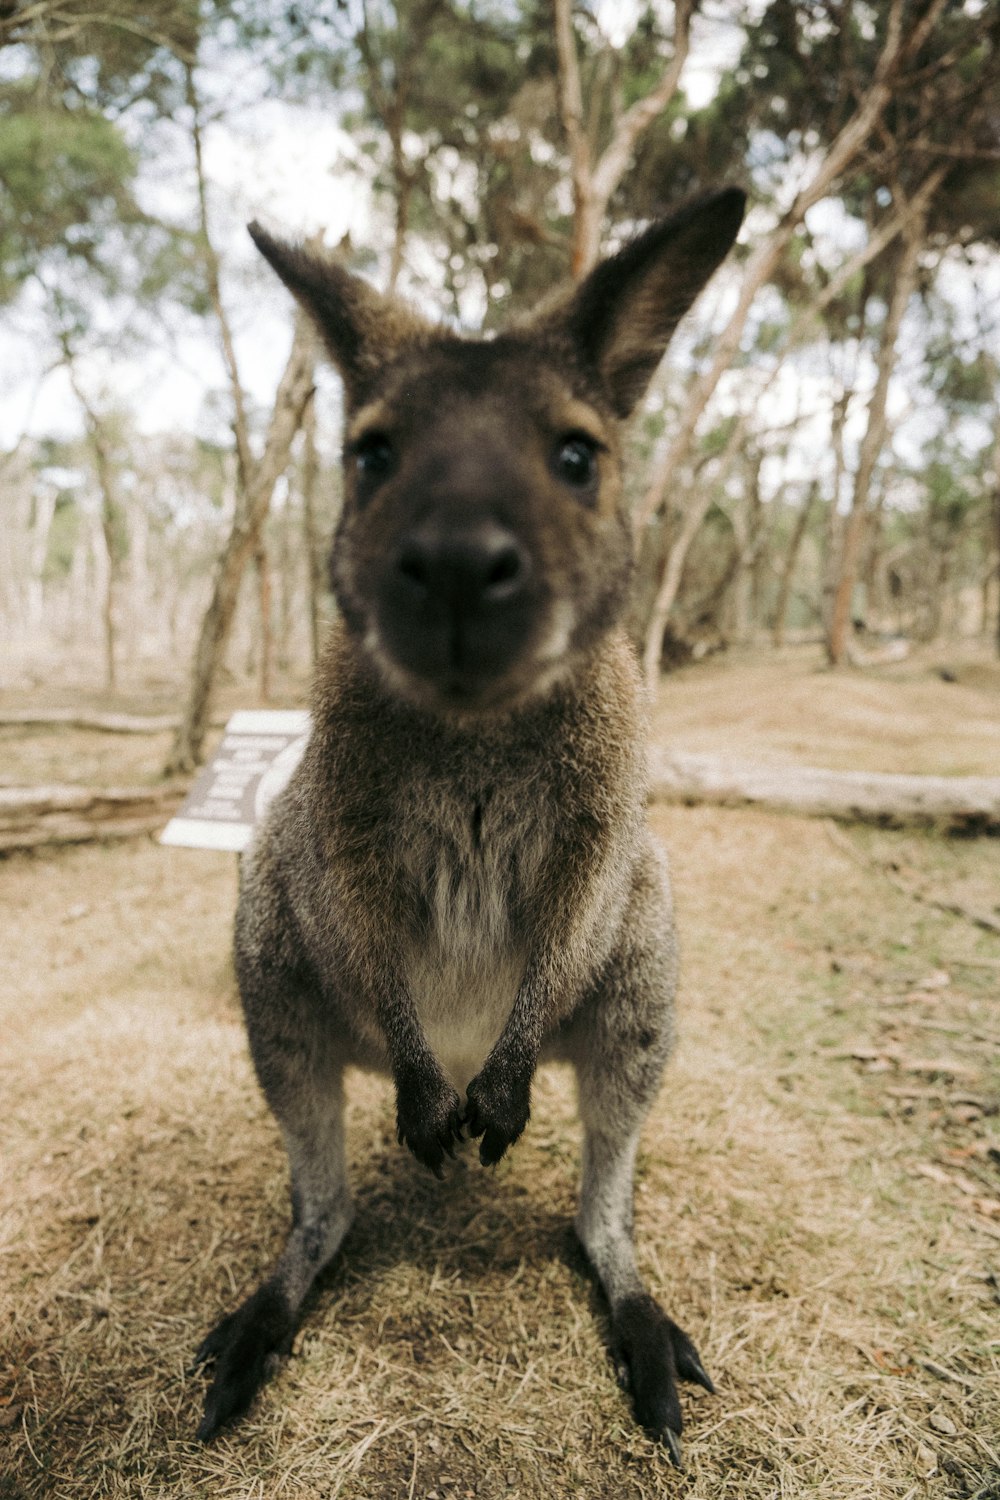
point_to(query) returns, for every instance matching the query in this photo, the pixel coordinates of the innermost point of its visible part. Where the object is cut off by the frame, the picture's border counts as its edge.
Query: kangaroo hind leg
(624, 1035)
(243, 1345)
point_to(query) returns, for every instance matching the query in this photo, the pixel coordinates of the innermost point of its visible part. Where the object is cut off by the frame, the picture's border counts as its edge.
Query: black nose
(466, 569)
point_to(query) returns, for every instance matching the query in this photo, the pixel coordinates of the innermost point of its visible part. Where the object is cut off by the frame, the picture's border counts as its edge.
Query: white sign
(258, 753)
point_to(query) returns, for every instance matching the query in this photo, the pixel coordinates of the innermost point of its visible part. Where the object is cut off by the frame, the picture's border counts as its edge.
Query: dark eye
(373, 455)
(576, 460)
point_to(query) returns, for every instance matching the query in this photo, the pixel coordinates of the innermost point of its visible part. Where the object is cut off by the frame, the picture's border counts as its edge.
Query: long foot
(652, 1353)
(242, 1347)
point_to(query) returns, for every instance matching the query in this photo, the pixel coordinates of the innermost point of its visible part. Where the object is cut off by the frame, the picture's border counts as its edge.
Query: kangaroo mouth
(463, 657)
(479, 673)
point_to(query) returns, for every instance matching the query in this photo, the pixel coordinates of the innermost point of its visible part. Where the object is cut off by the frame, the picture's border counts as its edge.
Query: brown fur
(458, 881)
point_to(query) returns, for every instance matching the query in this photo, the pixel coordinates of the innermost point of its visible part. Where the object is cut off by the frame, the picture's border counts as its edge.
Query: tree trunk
(314, 562)
(593, 185)
(670, 572)
(788, 568)
(833, 531)
(670, 558)
(262, 570)
(903, 286)
(286, 574)
(996, 520)
(294, 391)
(43, 511)
(111, 517)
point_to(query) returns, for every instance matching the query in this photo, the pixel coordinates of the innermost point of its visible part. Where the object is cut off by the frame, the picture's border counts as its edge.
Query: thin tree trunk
(788, 568)
(43, 513)
(833, 541)
(674, 556)
(255, 480)
(286, 571)
(314, 564)
(996, 521)
(111, 519)
(109, 608)
(670, 579)
(593, 184)
(871, 572)
(294, 391)
(262, 569)
(871, 445)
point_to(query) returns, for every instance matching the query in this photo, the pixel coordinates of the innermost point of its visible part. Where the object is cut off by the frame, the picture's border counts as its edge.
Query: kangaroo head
(485, 545)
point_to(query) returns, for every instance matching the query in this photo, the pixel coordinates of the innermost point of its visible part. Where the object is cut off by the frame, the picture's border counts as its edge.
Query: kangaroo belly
(462, 1009)
(465, 968)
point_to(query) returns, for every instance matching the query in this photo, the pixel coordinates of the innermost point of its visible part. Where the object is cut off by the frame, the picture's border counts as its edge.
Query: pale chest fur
(469, 867)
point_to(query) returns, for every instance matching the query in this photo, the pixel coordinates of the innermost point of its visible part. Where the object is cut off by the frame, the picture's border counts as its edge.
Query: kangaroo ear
(361, 328)
(623, 314)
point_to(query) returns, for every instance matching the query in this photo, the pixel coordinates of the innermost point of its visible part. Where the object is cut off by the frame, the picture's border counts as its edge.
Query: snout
(460, 607)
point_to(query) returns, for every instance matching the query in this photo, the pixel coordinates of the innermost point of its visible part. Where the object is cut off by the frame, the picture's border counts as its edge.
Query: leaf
(926, 1461)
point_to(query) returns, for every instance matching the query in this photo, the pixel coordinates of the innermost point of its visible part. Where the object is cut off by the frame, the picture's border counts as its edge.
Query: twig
(952, 908)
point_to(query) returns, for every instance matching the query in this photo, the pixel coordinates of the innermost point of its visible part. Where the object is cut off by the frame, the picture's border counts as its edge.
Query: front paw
(428, 1118)
(498, 1107)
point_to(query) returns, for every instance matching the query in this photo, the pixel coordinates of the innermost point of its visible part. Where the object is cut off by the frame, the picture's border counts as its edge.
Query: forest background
(820, 454)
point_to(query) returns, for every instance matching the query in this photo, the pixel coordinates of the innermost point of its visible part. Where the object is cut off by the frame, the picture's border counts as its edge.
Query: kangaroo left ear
(623, 314)
(361, 328)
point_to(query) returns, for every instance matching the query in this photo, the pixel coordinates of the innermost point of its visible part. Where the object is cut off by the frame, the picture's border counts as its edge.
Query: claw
(672, 1442)
(693, 1370)
(689, 1365)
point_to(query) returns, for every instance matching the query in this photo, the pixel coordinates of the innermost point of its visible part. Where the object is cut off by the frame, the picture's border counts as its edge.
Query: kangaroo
(458, 881)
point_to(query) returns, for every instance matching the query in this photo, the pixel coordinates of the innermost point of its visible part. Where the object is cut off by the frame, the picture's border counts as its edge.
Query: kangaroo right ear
(361, 328)
(621, 317)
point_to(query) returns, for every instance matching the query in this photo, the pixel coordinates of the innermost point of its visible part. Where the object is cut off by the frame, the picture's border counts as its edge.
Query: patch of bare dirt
(787, 707)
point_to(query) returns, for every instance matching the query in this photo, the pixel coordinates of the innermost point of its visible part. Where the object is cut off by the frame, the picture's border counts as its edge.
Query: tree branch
(241, 426)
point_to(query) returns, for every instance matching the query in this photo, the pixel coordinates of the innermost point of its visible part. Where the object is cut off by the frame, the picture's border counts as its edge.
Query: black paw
(241, 1348)
(652, 1354)
(497, 1108)
(428, 1118)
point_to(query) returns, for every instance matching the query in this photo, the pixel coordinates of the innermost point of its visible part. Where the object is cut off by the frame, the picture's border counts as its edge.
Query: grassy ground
(819, 1186)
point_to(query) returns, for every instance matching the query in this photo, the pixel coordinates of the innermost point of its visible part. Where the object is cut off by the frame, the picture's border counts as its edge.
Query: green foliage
(65, 182)
(966, 384)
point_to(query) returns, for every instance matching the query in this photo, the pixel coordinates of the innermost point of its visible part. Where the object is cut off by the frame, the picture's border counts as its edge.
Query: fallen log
(952, 804)
(31, 816)
(71, 718)
(34, 816)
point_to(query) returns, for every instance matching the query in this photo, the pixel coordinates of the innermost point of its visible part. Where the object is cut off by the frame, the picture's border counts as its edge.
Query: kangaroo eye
(373, 455)
(576, 460)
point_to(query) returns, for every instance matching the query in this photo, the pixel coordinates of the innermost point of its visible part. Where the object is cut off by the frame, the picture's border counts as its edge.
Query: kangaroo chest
(469, 869)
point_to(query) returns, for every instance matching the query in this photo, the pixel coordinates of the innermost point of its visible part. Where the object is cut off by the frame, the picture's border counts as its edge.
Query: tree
(256, 479)
(855, 120)
(595, 182)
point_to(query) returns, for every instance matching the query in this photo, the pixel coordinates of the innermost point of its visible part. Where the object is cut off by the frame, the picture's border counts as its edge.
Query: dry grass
(819, 1204)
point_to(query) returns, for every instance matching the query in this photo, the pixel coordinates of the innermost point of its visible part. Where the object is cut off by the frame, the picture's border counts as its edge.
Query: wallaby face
(458, 881)
(481, 489)
(484, 544)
